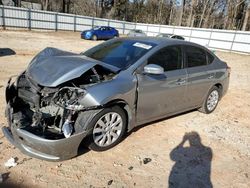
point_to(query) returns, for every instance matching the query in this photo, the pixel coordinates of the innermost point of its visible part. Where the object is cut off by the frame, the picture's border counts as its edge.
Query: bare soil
(221, 157)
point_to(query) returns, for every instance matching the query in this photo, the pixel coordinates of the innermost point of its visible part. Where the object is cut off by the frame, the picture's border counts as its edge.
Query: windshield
(96, 28)
(119, 53)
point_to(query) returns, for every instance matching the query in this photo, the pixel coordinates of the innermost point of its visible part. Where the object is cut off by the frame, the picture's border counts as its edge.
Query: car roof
(106, 27)
(158, 40)
(135, 30)
(163, 41)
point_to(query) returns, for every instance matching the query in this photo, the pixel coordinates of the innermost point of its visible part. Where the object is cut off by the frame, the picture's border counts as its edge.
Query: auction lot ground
(226, 132)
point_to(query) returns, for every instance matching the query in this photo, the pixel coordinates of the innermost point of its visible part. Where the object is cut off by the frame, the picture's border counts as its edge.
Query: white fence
(238, 41)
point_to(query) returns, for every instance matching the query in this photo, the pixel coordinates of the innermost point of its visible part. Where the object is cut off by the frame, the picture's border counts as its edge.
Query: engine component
(68, 97)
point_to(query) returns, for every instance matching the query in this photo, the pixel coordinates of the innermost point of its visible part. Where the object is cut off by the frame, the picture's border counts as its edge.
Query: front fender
(117, 89)
(111, 92)
(88, 35)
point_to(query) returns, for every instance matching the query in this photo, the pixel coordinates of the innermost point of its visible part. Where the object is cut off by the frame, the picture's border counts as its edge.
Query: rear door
(111, 32)
(200, 75)
(159, 95)
(104, 33)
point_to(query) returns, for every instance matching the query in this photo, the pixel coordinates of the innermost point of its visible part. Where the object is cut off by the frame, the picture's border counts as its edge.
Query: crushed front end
(42, 120)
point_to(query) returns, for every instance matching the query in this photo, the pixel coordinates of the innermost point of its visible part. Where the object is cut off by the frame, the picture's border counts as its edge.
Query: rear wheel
(108, 129)
(211, 100)
(94, 37)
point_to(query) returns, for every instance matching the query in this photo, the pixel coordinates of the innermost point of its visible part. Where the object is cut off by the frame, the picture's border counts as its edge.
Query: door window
(210, 58)
(195, 56)
(169, 58)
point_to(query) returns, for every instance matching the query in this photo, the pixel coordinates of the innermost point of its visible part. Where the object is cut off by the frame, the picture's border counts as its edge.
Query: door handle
(180, 82)
(211, 76)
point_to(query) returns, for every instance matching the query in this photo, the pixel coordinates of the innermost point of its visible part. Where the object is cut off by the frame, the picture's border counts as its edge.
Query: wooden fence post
(29, 19)
(74, 23)
(56, 18)
(3, 18)
(123, 29)
(231, 47)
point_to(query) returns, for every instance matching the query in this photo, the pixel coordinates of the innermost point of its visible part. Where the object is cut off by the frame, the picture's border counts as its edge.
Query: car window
(120, 53)
(166, 35)
(96, 28)
(169, 58)
(210, 58)
(195, 56)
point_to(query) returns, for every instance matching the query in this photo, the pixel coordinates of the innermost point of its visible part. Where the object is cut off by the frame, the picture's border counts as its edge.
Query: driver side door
(160, 95)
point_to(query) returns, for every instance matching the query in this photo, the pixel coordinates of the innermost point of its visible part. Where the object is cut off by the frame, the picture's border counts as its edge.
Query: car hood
(52, 67)
(85, 31)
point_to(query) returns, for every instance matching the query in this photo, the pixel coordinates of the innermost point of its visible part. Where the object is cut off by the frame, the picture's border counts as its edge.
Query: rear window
(120, 53)
(195, 57)
(210, 58)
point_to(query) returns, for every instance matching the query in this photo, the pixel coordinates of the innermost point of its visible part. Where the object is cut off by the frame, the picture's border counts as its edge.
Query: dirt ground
(221, 157)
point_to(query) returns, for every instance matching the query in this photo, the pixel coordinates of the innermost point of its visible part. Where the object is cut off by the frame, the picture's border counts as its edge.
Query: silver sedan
(63, 99)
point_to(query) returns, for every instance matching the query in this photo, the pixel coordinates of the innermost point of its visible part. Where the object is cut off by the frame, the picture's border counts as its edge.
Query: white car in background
(136, 33)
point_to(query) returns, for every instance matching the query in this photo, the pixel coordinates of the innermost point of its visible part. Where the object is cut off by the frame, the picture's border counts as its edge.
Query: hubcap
(212, 100)
(107, 129)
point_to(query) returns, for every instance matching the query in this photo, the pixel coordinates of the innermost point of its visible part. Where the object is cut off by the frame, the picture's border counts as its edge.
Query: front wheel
(94, 37)
(211, 100)
(108, 129)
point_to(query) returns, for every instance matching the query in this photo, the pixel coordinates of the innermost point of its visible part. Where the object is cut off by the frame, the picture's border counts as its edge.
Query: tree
(246, 18)
(182, 11)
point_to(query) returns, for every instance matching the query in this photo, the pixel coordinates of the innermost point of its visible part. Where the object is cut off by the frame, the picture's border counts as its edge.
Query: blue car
(100, 32)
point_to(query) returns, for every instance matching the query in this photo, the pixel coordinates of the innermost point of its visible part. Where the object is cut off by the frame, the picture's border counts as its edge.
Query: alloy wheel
(107, 129)
(212, 100)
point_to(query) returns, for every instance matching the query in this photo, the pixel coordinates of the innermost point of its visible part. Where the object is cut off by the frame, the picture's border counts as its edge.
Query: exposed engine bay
(51, 112)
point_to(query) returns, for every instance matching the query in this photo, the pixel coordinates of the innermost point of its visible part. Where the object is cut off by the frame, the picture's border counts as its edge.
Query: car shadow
(82, 149)
(156, 121)
(192, 166)
(6, 52)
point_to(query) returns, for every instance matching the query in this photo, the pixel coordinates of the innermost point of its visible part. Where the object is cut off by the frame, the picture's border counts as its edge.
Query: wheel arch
(124, 106)
(96, 34)
(220, 87)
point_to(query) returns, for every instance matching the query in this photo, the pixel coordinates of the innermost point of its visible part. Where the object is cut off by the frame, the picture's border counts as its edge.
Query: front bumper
(86, 36)
(38, 147)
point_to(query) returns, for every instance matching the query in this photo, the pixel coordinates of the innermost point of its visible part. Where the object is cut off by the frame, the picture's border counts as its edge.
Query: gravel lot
(224, 145)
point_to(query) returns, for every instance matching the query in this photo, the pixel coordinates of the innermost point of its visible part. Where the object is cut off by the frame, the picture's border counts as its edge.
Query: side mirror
(153, 69)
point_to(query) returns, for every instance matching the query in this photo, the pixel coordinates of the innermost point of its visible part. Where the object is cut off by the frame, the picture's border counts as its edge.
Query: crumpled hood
(52, 67)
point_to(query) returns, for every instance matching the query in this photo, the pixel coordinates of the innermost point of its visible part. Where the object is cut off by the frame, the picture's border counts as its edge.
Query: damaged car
(64, 99)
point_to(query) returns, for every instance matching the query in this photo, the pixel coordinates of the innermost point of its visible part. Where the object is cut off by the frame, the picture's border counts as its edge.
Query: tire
(211, 100)
(102, 132)
(94, 37)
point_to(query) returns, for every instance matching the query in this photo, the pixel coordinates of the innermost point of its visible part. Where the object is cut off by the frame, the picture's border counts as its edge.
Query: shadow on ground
(6, 182)
(192, 166)
(6, 52)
